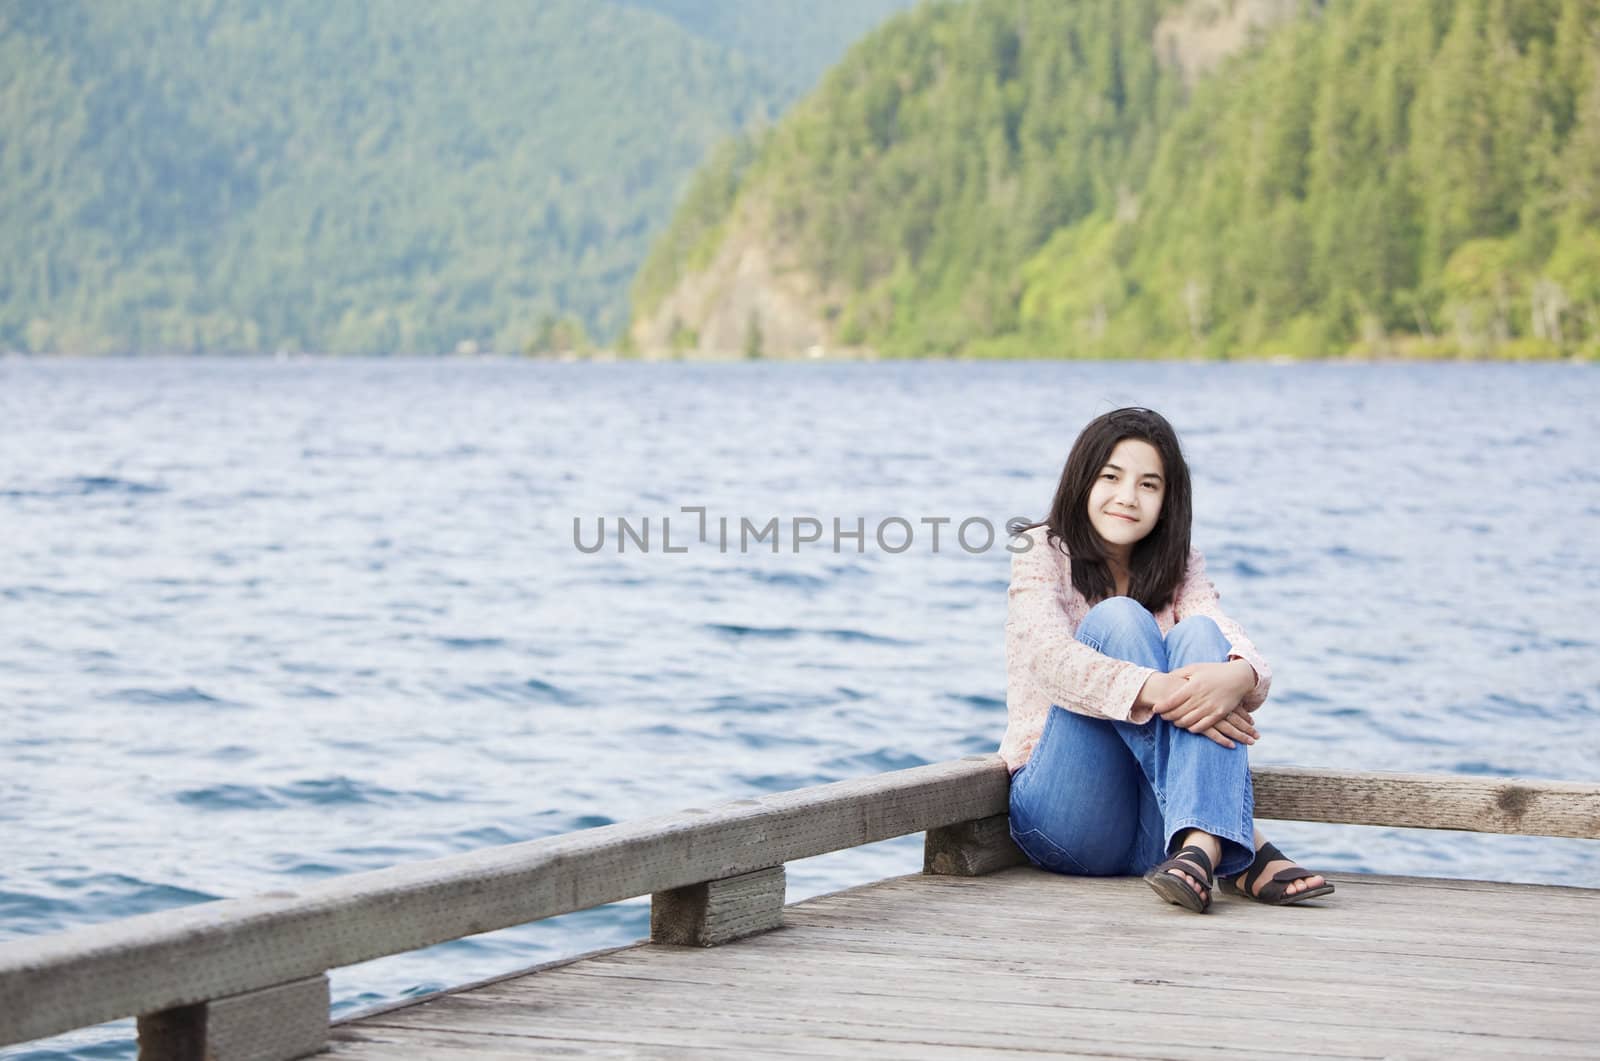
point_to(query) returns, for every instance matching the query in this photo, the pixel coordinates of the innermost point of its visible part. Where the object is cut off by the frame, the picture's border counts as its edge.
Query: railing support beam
(971, 849)
(274, 1024)
(719, 911)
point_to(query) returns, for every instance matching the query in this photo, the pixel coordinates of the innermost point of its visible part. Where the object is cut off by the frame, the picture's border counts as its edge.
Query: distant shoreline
(611, 357)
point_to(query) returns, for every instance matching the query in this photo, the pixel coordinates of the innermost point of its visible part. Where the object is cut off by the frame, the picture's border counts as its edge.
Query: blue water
(267, 622)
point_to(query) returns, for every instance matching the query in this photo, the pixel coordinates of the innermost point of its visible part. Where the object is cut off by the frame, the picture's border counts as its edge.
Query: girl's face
(1125, 501)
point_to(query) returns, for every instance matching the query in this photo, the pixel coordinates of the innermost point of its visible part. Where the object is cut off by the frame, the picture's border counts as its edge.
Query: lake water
(266, 623)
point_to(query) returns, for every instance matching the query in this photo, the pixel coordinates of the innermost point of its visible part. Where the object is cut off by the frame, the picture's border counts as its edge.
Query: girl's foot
(1187, 869)
(1295, 887)
(1171, 879)
(1196, 876)
(1274, 878)
(1277, 864)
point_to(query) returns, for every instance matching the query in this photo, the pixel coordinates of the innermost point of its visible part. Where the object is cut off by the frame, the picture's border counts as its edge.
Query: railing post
(971, 849)
(274, 1024)
(718, 911)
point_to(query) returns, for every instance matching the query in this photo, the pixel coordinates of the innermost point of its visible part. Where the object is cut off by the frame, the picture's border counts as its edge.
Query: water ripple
(180, 695)
(318, 792)
(528, 690)
(85, 486)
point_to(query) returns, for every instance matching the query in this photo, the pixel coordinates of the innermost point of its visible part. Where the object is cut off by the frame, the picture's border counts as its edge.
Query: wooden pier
(979, 955)
(1024, 963)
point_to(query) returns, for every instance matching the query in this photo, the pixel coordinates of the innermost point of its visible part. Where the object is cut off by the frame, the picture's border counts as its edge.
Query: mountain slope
(370, 176)
(894, 205)
(1112, 179)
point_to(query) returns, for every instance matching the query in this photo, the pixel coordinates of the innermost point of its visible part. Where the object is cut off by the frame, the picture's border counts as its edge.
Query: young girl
(1130, 695)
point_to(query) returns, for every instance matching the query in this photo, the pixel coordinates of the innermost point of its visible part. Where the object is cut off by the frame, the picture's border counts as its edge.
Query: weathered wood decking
(1026, 963)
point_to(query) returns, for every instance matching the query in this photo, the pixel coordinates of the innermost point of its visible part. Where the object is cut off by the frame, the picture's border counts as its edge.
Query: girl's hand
(1158, 687)
(1209, 695)
(1239, 726)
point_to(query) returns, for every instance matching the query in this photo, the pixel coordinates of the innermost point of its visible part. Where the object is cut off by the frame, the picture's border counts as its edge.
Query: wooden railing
(246, 978)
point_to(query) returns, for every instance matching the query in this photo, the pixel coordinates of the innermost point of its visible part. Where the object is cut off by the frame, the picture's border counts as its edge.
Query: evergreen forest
(1030, 178)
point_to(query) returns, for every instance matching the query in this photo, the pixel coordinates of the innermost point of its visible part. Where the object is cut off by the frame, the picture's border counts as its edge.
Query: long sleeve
(1198, 596)
(1041, 641)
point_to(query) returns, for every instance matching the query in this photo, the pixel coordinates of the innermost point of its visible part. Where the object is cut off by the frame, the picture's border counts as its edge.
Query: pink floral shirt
(1046, 664)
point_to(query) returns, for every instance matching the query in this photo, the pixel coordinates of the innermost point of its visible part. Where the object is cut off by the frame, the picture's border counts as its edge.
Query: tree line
(1023, 177)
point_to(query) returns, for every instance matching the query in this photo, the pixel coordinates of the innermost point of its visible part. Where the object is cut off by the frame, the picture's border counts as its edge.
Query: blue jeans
(1103, 798)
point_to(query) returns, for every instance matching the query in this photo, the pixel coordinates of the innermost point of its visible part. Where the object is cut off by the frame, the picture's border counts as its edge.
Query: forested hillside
(1025, 177)
(368, 176)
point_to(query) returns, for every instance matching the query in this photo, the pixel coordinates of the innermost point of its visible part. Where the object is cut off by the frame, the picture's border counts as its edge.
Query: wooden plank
(1422, 801)
(179, 957)
(1542, 918)
(1267, 974)
(1422, 940)
(971, 849)
(820, 941)
(719, 911)
(1060, 893)
(1149, 1019)
(875, 1015)
(747, 1043)
(820, 983)
(598, 1042)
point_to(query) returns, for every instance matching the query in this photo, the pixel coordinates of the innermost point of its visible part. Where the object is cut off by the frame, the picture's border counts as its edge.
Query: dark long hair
(1159, 560)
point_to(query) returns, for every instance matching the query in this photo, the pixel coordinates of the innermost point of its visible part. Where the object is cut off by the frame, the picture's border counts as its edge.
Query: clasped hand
(1205, 698)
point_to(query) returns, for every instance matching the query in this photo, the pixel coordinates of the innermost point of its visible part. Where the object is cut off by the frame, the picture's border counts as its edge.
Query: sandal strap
(1265, 854)
(1293, 873)
(1186, 857)
(1276, 890)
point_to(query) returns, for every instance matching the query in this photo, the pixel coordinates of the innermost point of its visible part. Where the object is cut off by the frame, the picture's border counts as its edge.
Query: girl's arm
(1040, 639)
(1197, 596)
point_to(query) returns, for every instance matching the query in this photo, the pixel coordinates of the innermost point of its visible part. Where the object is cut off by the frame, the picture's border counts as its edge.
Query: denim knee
(1197, 639)
(1124, 628)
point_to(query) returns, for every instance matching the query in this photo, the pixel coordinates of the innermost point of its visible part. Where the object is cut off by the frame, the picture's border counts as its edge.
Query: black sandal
(1174, 889)
(1276, 891)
